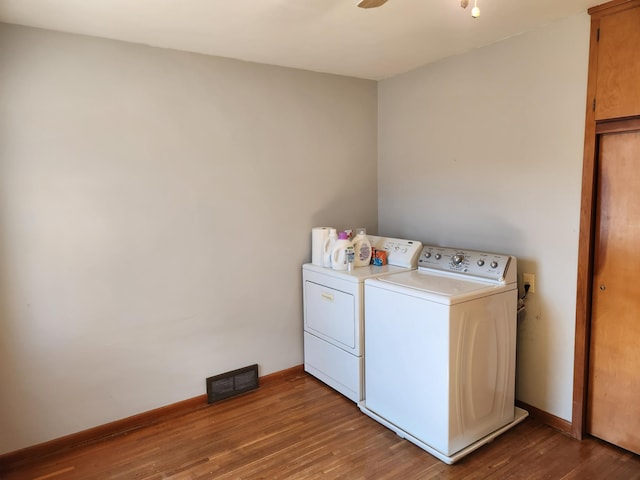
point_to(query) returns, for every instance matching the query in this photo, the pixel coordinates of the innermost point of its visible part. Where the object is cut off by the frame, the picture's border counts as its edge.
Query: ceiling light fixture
(475, 11)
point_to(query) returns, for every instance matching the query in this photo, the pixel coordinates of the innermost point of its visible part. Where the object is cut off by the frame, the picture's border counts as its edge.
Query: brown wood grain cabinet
(612, 118)
(617, 72)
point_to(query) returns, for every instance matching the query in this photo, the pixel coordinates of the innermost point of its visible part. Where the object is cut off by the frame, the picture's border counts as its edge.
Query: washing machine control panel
(488, 266)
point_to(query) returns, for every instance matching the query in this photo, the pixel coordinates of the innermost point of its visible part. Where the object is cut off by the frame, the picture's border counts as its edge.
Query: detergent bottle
(339, 258)
(362, 247)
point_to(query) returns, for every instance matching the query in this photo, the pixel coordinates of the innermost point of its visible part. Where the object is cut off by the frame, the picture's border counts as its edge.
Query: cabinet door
(618, 71)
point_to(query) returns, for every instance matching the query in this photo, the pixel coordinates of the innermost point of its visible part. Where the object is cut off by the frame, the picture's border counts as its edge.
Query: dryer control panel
(400, 252)
(488, 266)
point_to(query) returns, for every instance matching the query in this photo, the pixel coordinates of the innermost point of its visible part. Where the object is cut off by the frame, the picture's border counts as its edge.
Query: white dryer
(334, 314)
(441, 348)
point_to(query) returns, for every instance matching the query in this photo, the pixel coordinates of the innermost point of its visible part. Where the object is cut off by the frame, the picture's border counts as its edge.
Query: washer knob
(457, 259)
(438, 256)
(494, 264)
(427, 254)
(480, 263)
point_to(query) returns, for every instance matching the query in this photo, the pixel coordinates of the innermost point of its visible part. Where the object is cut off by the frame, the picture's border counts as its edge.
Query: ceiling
(333, 36)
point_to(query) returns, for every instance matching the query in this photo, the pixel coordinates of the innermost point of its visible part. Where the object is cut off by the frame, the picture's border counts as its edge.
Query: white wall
(484, 151)
(142, 191)
(155, 208)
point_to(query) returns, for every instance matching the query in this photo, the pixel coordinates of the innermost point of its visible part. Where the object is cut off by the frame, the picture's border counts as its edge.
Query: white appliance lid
(440, 285)
(358, 274)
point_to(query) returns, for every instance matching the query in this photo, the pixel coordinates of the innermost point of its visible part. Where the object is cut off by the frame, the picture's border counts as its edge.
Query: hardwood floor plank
(295, 427)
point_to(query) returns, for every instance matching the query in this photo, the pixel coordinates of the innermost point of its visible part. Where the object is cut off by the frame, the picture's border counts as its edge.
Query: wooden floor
(297, 428)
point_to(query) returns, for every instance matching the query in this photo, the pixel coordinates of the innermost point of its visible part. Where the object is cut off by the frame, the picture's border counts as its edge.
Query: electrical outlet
(529, 278)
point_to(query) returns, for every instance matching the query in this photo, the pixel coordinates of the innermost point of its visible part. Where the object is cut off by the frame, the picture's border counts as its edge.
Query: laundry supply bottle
(351, 258)
(362, 247)
(328, 247)
(340, 250)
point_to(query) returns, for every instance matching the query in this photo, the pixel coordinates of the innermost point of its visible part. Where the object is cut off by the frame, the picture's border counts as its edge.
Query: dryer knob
(438, 256)
(494, 264)
(427, 254)
(480, 262)
(457, 259)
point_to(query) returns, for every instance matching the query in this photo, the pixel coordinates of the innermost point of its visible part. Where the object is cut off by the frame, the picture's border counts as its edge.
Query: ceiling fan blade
(371, 3)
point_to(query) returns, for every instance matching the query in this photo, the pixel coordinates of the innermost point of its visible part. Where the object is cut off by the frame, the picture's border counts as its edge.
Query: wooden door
(618, 87)
(613, 404)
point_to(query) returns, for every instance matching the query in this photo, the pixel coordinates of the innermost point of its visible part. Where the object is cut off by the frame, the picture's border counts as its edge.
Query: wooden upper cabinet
(618, 60)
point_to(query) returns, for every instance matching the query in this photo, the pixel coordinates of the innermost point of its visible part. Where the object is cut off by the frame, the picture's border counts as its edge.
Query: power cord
(521, 299)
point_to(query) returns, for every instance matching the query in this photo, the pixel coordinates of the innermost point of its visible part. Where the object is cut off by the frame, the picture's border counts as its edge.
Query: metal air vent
(230, 384)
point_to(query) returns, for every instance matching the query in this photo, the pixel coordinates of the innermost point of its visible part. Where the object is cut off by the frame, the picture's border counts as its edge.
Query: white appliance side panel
(331, 314)
(406, 363)
(444, 375)
(483, 354)
(335, 367)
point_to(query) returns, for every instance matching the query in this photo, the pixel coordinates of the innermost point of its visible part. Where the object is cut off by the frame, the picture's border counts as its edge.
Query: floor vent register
(230, 384)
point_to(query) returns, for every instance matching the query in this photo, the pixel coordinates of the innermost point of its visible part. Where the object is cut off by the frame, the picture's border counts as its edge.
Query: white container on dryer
(339, 253)
(362, 247)
(328, 246)
(334, 316)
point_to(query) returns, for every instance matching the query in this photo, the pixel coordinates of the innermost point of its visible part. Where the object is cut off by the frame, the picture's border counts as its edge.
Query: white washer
(440, 350)
(334, 315)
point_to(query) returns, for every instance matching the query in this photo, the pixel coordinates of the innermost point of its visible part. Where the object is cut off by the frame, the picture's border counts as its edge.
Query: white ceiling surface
(333, 36)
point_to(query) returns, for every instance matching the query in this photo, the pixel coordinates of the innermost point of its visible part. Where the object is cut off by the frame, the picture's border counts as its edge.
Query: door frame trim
(585, 249)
